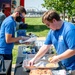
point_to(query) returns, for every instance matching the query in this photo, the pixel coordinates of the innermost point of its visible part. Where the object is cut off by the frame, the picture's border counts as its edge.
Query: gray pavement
(41, 38)
(13, 67)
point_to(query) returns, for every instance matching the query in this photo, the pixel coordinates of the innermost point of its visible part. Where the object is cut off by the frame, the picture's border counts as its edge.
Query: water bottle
(24, 50)
(25, 53)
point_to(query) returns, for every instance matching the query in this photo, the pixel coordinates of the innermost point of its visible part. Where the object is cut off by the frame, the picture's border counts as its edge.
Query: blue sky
(34, 4)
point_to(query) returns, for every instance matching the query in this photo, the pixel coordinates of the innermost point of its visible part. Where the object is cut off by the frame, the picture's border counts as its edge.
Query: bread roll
(50, 65)
(41, 72)
(50, 58)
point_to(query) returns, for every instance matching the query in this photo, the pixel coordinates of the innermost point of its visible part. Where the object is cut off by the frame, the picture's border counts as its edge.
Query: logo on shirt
(60, 38)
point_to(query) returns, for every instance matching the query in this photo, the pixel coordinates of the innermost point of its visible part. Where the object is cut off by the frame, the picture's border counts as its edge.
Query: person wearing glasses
(7, 33)
(62, 36)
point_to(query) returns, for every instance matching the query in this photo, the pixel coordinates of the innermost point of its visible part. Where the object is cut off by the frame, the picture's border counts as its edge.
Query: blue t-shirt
(63, 39)
(8, 27)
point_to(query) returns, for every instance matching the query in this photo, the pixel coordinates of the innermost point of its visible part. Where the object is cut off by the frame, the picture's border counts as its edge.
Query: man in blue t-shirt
(7, 33)
(62, 36)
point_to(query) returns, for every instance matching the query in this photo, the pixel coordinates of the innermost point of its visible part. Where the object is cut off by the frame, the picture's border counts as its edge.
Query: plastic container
(33, 50)
(59, 72)
(26, 50)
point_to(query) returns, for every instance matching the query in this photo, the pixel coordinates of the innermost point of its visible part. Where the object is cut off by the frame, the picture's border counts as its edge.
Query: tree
(62, 6)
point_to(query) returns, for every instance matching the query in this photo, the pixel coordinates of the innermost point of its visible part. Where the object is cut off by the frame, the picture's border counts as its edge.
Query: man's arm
(10, 39)
(68, 53)
(41, 52)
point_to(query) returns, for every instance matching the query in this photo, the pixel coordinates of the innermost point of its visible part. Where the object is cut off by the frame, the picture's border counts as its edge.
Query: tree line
(62, 6)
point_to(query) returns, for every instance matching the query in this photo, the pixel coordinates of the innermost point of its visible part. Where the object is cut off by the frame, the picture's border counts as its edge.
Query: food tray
(40, 64)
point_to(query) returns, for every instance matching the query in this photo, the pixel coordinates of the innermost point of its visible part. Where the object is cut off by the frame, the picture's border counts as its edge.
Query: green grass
(35, 26)
(15, 52)
(34, 21)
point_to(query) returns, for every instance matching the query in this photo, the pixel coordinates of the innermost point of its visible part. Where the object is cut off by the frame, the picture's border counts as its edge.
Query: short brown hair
(20, 9)
(50, 15)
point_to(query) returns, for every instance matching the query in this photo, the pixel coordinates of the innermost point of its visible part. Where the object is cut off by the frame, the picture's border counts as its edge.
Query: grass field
(35, 26)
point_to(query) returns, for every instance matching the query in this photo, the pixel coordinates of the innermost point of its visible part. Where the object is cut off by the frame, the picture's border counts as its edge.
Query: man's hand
(55, 59)
(23, 38)
(31, 62)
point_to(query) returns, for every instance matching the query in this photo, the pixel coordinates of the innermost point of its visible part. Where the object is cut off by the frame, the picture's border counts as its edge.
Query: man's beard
(18, 19)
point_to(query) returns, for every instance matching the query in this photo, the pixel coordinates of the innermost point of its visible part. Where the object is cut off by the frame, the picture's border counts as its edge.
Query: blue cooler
(21, 33)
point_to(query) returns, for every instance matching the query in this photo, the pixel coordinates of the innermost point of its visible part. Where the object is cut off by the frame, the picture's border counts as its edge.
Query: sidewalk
(13, 65)
(41, 38)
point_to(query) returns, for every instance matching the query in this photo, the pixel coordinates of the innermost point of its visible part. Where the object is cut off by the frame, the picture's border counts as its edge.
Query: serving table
(19, 70)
